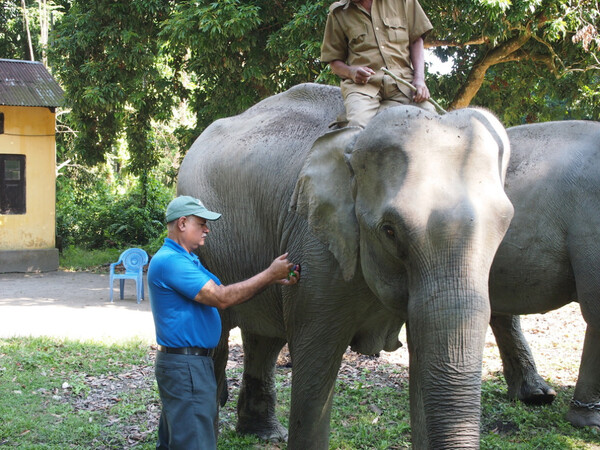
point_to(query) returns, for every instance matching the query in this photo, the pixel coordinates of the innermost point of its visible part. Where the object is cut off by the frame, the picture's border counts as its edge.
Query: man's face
(196, 231)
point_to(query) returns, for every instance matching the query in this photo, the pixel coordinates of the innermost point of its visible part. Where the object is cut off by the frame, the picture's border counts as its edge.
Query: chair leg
(111, 290)
(121, 287)
(138, 291)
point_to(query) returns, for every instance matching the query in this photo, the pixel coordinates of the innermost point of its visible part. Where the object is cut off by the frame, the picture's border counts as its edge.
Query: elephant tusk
(414, 89)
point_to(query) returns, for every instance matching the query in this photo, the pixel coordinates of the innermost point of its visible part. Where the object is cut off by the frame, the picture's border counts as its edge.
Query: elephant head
(415, 202)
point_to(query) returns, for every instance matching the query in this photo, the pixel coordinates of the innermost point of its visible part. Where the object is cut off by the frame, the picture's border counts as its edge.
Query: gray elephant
(395, 223)
(550, 255)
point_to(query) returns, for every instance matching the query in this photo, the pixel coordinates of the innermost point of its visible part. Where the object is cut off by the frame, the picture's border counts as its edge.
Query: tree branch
(521, 55)
(431, 43)
(475, 78)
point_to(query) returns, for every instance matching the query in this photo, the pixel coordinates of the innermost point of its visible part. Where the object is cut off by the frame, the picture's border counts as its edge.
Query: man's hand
(422, 92)
(360, 74)
(284, 272)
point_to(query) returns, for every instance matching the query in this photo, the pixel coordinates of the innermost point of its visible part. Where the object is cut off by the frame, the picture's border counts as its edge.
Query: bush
(94, 214)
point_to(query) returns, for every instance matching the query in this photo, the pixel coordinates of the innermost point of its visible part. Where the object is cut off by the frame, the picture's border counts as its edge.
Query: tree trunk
(26, 23)
(469, 89)
(43, 10)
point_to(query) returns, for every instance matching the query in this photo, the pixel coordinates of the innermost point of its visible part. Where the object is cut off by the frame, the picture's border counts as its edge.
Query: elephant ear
(323, 195)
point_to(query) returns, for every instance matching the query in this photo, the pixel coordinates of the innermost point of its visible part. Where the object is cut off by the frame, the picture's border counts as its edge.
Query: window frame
(13, 191)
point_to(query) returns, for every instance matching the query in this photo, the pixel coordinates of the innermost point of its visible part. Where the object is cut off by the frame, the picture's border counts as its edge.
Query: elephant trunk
(446, 337)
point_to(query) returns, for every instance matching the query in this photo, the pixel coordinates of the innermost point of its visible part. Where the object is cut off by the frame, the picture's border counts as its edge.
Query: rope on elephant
(438, 108)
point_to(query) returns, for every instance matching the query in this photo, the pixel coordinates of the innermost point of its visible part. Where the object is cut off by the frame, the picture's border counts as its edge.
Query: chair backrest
(134, 259)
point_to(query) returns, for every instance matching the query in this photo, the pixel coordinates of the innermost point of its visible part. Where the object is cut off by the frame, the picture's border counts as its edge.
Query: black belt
(195, 351)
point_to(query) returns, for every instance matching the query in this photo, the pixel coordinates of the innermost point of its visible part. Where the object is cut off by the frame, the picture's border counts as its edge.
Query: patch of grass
(57, 394)
(369, 417)
(41, 381)
(509, 424)
(77, 259)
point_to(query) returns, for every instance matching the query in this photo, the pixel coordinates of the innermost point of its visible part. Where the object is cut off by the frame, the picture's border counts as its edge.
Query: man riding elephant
(361, 37)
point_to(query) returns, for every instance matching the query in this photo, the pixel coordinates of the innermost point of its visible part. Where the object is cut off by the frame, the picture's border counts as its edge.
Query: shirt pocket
(397, 30)
(358, 38)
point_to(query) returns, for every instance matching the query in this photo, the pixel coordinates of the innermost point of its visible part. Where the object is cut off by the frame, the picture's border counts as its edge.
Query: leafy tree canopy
(529, 59)
(13, 39)
(125, 65)
(107, 55)
(239, 52)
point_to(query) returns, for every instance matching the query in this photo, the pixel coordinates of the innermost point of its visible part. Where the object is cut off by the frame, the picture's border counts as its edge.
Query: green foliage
(126, 65)
(13, 37)
(568, 97)
(533, 54)
(143, 78)
(245, 52)
(13, 33)
(76, 258)
(107, 56)
(92, 214)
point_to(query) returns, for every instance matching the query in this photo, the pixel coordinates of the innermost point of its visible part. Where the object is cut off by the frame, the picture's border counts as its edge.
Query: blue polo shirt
(174, 279)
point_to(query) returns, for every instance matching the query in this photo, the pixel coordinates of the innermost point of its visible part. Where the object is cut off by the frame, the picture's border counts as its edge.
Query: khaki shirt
(381, 39)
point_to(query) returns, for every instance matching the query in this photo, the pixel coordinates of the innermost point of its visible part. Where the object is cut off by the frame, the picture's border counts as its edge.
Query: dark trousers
(188, 392)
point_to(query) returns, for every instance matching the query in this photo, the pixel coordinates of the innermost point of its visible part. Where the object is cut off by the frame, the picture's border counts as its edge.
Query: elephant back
(553, 145)
(246, 167)
(269, 140)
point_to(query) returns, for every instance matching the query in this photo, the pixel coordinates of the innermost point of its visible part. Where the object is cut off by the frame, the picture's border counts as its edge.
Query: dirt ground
(76, 305)
(73, 305)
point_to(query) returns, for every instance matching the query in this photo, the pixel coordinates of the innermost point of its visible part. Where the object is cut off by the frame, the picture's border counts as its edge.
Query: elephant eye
(389, 231)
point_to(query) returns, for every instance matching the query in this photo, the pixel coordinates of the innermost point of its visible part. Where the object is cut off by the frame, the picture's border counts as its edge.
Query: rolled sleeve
(419, 20)
(187, 281)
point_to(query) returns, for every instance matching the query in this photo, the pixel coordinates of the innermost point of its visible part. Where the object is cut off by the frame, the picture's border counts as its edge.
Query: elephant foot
(534, 391)
(256, 410)
(584, 414)
(273, 432)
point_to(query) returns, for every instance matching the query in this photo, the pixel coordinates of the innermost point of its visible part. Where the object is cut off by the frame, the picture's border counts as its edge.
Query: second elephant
(550, 255)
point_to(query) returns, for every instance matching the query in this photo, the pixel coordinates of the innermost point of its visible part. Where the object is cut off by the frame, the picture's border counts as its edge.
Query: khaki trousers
(361, 108)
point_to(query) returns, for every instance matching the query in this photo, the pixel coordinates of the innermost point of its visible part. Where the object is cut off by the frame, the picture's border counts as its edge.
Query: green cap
(185, 205)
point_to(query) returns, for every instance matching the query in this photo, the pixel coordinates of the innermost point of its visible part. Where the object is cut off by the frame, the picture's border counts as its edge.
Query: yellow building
(28, 98)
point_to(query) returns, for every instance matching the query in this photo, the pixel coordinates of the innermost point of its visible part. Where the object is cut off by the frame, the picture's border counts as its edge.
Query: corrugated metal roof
(28, 83)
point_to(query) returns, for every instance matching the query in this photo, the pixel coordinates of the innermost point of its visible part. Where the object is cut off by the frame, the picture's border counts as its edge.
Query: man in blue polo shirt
(184, 297)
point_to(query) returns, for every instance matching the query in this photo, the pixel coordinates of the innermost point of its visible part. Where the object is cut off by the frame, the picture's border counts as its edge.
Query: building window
(12, 184)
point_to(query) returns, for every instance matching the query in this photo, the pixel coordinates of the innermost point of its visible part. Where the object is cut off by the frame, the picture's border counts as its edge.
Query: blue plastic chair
(134, 260)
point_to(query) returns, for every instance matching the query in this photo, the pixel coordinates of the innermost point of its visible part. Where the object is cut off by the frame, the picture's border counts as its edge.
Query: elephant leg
(315, 368)
(524, 383)
(585, 406)
(257, 399)
(220, 361)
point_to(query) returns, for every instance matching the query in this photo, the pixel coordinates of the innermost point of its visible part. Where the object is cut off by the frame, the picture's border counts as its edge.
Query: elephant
(395, 223)
(550, 255)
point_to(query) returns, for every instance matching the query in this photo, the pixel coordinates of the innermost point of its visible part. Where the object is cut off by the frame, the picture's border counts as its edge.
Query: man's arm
(358, 74)
(417, 57)
(223, 297)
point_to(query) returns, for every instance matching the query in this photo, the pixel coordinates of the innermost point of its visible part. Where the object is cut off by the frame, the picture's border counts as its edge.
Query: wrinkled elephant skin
(550, 255)
(395, 223)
